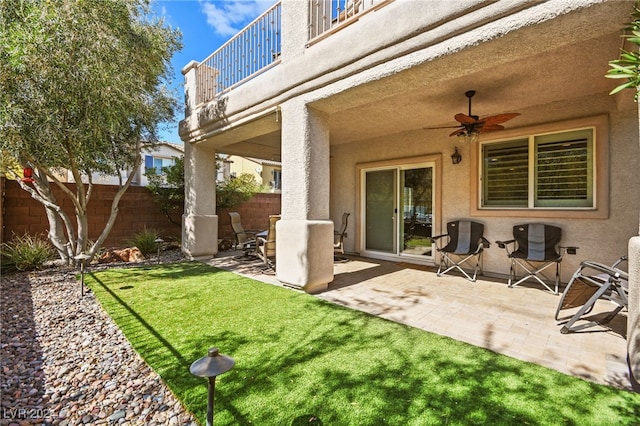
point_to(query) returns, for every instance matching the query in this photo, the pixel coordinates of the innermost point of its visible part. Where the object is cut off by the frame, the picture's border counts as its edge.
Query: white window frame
(532, 142)
(601, 172)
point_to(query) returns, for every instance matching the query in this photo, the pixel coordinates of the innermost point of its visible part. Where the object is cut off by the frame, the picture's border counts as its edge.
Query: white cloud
(228, 17)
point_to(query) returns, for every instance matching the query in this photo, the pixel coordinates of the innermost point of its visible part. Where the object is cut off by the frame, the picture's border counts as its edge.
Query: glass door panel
(380, 196)
(417, 210)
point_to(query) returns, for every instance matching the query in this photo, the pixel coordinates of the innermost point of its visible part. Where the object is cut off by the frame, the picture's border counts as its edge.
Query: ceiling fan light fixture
(468, 136)
(472, 125)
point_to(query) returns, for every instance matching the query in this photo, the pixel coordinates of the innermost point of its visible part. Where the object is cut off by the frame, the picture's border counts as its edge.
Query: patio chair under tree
(465, 243)
(244, 239)
(266, 246)
(535, 247)
(592, 282)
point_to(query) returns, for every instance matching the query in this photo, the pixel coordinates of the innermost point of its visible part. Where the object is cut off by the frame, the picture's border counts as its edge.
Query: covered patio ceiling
(519, 72)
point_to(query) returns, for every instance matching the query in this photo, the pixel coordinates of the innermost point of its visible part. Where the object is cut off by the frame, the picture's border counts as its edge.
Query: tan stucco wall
(599, 239)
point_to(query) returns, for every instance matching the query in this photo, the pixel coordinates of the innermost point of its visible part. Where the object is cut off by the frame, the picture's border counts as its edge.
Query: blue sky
(205, 25)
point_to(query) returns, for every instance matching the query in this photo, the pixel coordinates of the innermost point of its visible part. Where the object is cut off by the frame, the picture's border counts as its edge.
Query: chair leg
(512, 274)
(449, 265)
(533, 272)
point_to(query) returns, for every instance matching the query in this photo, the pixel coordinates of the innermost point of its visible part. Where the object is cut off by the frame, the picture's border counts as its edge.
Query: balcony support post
(199, 221)
(304, 235)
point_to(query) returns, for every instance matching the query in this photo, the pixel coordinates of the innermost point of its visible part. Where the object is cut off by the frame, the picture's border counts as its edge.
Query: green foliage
(145, 240)
(82, 83)
(299, 357)
(26, 253)
(628, 66)
(234, 191)
(168, 188)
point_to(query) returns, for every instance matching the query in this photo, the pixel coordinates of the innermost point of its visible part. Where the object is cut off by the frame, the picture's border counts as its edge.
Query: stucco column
(199, 221)
(304, 235)
(633, 320)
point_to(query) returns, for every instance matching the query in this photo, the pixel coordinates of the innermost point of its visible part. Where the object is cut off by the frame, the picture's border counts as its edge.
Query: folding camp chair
(535, 248)
(465, 242)
(592, 282)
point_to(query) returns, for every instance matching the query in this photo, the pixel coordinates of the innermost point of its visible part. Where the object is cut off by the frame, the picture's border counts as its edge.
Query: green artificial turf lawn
(304, 361)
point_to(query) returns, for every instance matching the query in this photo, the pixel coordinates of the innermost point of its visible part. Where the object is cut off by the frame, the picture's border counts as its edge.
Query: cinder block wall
(137, 210)
(21, 214)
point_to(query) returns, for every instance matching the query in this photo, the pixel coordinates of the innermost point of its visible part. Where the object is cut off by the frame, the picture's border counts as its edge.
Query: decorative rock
(63, 357)
(117, 415)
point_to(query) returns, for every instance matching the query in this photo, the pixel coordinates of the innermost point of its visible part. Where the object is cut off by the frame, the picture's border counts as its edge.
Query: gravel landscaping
(64, 361)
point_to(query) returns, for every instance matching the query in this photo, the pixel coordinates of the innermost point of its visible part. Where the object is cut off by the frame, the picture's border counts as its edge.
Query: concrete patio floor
(517, 322)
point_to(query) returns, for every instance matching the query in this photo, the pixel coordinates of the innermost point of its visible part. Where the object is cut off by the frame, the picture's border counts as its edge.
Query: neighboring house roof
(265, 162)
(174, 146)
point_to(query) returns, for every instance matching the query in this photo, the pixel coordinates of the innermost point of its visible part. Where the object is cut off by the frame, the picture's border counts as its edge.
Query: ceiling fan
(472, 124)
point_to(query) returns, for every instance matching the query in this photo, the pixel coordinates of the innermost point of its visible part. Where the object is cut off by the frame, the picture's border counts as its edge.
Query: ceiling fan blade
(465, 119)
(500, 118)
(490, 128)
(442, 127)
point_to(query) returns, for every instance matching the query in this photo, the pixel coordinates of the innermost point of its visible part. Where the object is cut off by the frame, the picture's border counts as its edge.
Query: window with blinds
(546, 171)
(506, 174)
(564, 170)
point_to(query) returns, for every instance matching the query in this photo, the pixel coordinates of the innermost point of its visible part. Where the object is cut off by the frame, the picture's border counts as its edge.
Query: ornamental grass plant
(304, 361)
(25, 253)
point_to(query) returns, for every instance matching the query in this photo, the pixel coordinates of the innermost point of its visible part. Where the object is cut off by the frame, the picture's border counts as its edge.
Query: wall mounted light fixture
(456, 158)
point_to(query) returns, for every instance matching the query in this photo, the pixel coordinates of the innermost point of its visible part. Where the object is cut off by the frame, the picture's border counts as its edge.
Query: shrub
(145, 240)
(26, 253)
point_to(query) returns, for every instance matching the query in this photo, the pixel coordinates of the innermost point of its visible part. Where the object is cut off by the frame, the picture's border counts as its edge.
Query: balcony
(257, 48)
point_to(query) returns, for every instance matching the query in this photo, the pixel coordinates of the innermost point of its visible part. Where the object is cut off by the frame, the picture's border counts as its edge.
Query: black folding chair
(535, 247)
(592, 282)
(465, 242)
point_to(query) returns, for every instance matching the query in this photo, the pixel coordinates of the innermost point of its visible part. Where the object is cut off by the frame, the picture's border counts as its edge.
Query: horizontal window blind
(563, 171)
(506, 174)
(552, 170)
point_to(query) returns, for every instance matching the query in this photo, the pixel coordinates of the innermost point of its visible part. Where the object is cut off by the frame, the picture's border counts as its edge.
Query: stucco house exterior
(267, 172)
(162, 154)
(347, 100)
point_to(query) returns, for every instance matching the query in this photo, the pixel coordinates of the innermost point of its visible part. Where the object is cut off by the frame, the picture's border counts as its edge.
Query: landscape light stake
(209, 367)
(82, 257)
(159, 242)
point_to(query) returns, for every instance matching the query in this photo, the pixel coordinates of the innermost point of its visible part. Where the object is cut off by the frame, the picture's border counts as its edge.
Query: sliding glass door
(380, 210)
(398, 211)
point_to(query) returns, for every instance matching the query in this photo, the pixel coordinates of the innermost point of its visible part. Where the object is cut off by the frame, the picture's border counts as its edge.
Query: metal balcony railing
(252, 51)
(257, 47)
(328, 15)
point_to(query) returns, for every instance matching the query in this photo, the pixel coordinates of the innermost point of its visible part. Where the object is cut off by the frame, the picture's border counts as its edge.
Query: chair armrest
(437, 237)
(485, 243)
(503, 244)
(613, 272)
(570, 249)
